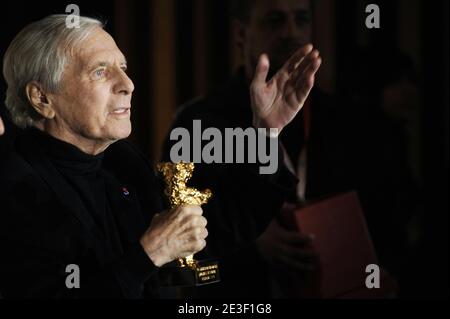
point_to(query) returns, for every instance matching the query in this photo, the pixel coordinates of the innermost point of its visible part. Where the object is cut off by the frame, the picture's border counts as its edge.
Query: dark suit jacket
(243, 202)
(334, 148)
(44, 227)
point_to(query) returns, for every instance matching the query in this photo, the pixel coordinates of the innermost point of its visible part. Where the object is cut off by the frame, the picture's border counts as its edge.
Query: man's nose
(124, 84)
(291, 29)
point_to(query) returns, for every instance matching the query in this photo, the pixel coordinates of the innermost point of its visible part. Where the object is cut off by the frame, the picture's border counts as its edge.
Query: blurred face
(93, 108)
(278, 28)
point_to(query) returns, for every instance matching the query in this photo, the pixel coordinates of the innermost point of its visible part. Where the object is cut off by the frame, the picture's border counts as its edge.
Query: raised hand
(275, 103)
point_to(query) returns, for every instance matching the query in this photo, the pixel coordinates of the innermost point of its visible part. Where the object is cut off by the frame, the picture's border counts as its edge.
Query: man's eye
(99, 73)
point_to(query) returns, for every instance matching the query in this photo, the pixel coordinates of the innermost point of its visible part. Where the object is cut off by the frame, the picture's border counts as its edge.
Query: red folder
(344, 245)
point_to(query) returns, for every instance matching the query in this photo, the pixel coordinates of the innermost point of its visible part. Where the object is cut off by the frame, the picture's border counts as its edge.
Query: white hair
(40, 52)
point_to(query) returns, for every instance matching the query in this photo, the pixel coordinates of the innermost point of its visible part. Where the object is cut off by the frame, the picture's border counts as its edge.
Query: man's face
(278, 28)
(94, 103)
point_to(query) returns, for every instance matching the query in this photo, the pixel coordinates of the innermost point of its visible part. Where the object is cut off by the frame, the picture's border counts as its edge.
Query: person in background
(276, 28)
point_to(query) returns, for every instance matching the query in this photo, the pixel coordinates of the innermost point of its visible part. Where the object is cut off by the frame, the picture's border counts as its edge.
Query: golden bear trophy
(189, 271)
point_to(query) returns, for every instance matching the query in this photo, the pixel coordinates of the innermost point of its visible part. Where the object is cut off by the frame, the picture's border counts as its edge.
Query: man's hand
(2, 128)
(275, 103)
(281, 247)
(174, 234)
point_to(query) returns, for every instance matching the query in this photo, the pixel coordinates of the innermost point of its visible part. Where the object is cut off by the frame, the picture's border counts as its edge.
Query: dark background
(178, 49)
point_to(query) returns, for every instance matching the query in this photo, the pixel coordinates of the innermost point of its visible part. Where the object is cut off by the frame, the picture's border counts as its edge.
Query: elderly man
(76, 197)
(63, 211)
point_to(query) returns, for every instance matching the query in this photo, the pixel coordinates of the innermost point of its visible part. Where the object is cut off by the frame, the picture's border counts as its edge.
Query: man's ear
(39, 100)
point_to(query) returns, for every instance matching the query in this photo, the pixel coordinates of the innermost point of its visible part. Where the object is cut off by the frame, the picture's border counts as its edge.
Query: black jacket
(340, 158)
(243, 202)
(44, 226)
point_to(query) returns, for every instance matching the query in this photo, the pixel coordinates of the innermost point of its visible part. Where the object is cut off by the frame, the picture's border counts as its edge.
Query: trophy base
(205, 272)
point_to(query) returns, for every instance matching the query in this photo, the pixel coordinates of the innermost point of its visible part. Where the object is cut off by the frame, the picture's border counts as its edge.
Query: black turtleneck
(62, 206)
(85, 175)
